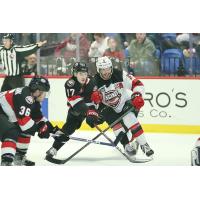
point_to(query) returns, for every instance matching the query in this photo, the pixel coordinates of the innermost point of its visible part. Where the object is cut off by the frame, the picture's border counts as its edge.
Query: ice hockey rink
(170, 150)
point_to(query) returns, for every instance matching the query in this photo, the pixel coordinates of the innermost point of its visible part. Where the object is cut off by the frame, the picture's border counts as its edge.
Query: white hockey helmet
(103, 63)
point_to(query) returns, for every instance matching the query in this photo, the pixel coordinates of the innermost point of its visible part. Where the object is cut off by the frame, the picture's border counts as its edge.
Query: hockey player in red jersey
(78, 91)
(21, 118)
(115, 90)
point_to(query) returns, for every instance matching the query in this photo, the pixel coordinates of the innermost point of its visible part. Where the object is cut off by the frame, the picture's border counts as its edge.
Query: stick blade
(140, 160)
(55, 160)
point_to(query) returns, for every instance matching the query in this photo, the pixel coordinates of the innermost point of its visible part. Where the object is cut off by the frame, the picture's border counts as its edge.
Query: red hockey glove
(96, 97)
(92, 118)
(137, 101)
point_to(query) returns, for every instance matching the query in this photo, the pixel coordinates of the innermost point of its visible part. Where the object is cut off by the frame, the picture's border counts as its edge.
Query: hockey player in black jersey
(115, 90)
(21, 118)
(78, 91)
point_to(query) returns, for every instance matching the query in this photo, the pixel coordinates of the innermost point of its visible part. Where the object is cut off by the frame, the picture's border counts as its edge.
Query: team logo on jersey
(29, 99)
(70, 82)
(119, 85)
(112, 98)
(12, 56)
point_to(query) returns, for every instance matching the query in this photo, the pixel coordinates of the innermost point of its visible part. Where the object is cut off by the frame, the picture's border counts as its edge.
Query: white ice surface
(170, 150)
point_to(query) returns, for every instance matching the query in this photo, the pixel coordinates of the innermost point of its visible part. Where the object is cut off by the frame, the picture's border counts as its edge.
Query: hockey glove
(92, 118)
(137, 101)
(43, 130)
(96, 97)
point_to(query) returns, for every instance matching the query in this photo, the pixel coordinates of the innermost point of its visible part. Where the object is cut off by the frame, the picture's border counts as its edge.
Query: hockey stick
(83, 139)
(59, 161)
(133, 160)
(91, 141)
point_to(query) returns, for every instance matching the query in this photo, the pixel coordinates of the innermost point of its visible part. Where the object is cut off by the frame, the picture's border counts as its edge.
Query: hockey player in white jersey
(114, 90)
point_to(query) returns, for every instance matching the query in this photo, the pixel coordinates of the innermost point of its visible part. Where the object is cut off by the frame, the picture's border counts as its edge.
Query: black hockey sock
(119, 138)
(124, 141)
(60, 141)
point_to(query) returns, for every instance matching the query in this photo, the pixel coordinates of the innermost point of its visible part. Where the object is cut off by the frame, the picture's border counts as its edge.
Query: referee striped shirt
(13, 57)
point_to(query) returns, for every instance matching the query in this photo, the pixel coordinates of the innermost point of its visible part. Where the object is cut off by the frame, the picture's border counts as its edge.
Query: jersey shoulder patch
(29, 99)
(70, 83)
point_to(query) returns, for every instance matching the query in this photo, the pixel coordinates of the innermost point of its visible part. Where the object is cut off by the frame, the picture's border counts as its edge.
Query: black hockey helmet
(80, 67)
(39, 83)
(8, 36)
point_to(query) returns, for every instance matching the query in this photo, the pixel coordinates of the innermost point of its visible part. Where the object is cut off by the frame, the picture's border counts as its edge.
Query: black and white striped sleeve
(26, 50)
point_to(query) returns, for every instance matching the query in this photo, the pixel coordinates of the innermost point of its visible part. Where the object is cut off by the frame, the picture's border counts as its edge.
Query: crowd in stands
(142, 54)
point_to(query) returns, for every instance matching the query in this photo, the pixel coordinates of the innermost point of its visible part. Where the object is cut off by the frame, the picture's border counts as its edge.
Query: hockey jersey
(78, 96)
(21, 108)
(118, 89)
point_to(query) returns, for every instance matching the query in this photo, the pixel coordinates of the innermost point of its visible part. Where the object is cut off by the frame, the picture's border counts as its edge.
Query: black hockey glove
(43, 130)
(101, 119)
(92, 118)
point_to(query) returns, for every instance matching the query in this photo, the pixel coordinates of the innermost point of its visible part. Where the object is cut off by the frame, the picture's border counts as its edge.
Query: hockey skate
(51, 152)
(20, 160)
(195, 161)
(7, 160)
(147, 150)
(6, 163)
(131, 149)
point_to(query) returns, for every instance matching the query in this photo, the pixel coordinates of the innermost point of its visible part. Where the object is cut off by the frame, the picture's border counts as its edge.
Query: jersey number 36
(25, 111)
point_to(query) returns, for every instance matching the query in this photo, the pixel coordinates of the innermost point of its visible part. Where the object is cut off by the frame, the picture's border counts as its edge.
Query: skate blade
(140, 160)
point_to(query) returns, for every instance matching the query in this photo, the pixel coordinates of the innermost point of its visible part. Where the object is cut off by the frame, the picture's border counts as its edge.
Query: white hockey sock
(141, 139)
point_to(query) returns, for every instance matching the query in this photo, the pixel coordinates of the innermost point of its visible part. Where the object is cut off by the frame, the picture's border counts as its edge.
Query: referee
(11, 56)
